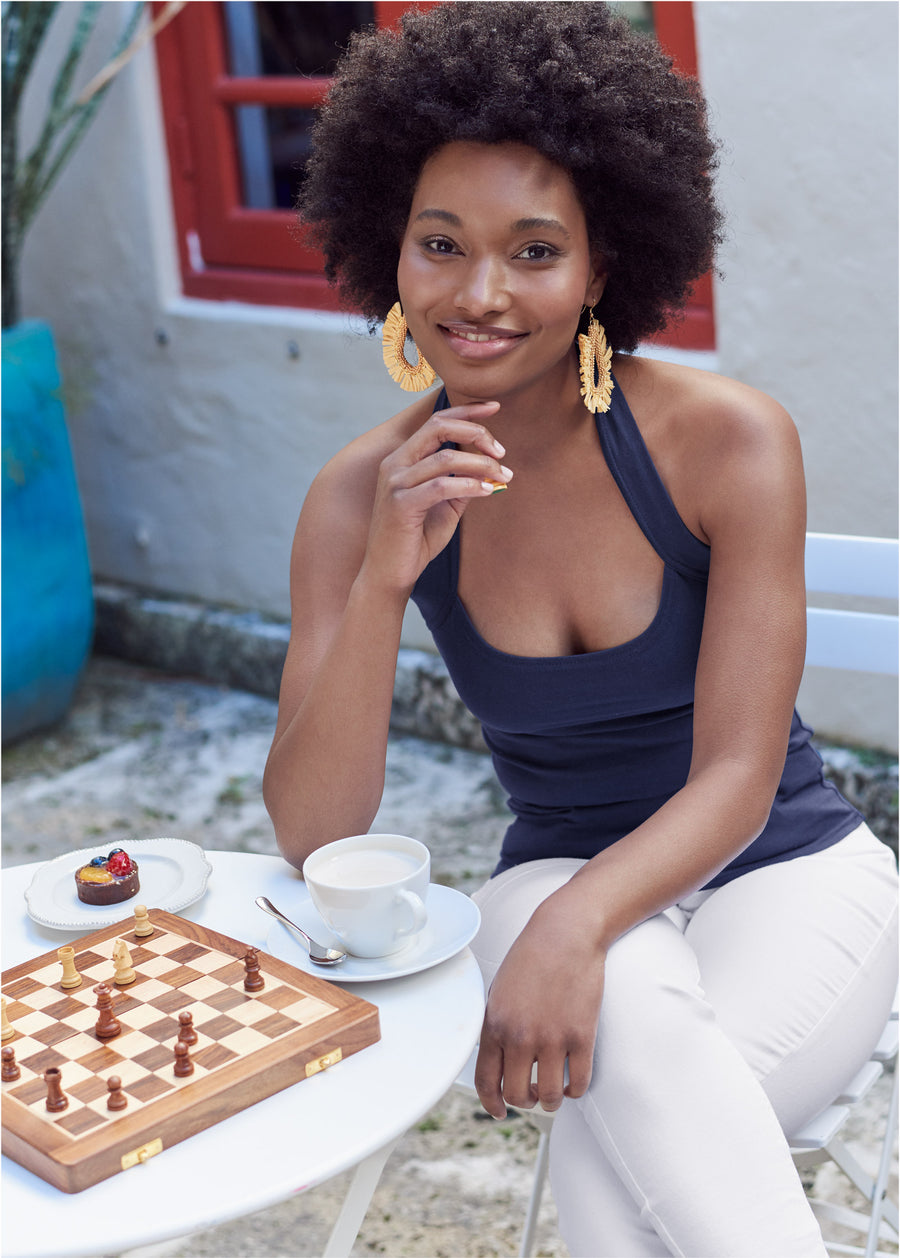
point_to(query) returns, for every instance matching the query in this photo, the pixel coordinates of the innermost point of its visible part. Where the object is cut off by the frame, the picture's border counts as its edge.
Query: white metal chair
(858, 567)
(865, 641)
(819, 1141)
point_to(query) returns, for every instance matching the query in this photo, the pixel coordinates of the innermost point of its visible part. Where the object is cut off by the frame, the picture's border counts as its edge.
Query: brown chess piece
(183, 1064)
(253, 979)
(107, 1024)
(10, 1071)
(117, 1098)
(186, 1032)
(56, 1098)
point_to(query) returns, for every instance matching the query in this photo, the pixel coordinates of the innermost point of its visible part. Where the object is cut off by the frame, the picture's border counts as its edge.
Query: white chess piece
(124, 974)
(8, 1030)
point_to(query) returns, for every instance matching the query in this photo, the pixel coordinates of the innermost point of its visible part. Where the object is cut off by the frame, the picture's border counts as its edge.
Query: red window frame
(230, 252)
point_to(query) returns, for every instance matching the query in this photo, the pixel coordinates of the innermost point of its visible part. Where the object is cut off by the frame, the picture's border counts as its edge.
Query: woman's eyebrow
(444, 215)
(520, 225)
(540, 224)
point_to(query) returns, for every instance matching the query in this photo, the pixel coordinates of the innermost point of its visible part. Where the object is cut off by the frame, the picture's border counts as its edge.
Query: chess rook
(70, 976)
(8, 1030)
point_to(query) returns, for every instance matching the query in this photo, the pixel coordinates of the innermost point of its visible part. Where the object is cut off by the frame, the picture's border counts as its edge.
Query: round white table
(349, 1116)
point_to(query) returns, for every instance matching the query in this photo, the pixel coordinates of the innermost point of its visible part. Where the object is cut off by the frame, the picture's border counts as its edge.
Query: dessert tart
(108, 879)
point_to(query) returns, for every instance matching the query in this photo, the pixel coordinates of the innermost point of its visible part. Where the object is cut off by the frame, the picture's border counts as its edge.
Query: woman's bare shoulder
(689, 402)
(711, 437)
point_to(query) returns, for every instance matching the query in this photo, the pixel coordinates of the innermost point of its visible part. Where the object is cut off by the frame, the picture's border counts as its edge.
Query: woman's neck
(543, 415)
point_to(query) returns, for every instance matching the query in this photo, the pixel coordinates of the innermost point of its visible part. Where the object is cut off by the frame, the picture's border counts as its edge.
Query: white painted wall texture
(804, 97)
(197, 434)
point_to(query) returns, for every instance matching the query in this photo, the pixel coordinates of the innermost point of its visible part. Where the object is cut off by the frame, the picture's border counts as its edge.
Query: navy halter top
(589, 746)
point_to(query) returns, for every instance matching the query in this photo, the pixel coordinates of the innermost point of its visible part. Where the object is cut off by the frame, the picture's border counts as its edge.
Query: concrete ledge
(240, 649)
(246, 650)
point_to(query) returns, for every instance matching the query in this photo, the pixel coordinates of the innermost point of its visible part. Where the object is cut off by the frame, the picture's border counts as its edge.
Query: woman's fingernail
(501, 450)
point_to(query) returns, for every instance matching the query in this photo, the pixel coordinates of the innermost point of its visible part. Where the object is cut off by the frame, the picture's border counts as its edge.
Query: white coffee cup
(370, 890)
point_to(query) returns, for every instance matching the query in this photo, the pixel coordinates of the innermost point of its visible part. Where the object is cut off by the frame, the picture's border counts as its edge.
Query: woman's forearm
(719, 811)
(325, 773)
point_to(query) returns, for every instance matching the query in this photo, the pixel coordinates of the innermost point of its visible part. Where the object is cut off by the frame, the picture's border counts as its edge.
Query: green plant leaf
(39, 171)
(87, 20)
(24, 28)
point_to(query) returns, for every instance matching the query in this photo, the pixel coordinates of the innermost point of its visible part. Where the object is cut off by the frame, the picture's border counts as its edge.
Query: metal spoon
(317, 952)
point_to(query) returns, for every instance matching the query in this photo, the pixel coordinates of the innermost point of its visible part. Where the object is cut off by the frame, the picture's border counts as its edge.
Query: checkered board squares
(228, 1021)
(248, 1044)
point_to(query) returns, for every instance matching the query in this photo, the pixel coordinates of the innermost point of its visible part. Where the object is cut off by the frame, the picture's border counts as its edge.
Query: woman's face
(495, 268)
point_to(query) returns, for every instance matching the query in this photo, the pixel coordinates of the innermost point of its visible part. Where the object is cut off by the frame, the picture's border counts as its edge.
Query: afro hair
(574, 81)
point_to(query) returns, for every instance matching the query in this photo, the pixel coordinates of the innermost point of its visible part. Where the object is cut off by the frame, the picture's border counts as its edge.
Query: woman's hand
(423, 491)
(543, 1007)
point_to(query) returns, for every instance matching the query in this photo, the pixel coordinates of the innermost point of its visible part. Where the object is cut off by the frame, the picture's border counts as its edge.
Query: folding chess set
(150, 1030)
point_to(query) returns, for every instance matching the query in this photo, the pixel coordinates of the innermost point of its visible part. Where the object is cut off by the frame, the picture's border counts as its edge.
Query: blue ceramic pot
(48, 610)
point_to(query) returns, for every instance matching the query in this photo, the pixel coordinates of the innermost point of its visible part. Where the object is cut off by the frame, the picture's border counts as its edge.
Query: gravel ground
(142, 754)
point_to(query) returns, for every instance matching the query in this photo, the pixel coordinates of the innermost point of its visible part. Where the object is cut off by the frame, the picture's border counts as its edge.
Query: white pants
(726, 1022)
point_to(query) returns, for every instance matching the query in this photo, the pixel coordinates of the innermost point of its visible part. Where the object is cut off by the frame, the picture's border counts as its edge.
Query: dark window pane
(282, 38)
(285, 38)
(307, 38)
(274, 144)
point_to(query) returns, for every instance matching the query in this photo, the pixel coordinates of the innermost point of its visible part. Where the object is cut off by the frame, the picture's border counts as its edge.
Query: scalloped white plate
(173, 874)
(453, 920)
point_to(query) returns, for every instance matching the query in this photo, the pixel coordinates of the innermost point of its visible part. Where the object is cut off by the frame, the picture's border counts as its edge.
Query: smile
(475, 336)
(480, 342)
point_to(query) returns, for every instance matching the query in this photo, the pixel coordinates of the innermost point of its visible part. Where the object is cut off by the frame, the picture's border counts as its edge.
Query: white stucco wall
(197, 433)
(804, 97)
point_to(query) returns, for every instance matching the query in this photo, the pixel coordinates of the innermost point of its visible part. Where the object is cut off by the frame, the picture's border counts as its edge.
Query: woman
(688, 938)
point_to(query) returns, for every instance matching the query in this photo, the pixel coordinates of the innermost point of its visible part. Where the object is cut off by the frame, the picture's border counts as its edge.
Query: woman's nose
(483, 287)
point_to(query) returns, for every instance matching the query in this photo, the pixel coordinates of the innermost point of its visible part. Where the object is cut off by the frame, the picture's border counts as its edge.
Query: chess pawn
(70, 976)
(56, 1098)
(7, 1030)
(122, 960)
(183, 1064)
(10, 1071)
(142, 924)
(186, 1032)
(117, 1098)
(253, 979)
(107, 1024)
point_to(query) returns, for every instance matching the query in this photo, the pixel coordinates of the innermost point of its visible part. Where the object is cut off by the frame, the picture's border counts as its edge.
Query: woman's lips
(475, 341)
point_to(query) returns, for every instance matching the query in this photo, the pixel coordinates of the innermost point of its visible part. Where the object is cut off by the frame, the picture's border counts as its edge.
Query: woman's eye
(537, 253)
(440, 244)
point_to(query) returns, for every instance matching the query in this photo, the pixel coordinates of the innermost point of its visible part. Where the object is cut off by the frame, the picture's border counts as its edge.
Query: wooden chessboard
(249, 1045)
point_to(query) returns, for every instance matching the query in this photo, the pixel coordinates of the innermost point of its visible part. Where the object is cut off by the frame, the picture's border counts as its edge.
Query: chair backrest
(860, 567)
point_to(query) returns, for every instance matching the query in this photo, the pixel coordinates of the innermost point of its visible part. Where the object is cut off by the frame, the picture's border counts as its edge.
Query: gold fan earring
(412, 378)
(595, 367)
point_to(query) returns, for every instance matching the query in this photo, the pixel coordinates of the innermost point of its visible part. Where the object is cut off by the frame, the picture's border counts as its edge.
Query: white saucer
(173, 874)
(452, 922)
